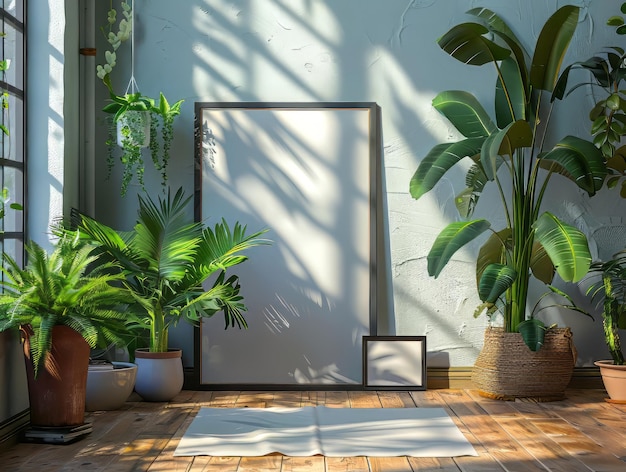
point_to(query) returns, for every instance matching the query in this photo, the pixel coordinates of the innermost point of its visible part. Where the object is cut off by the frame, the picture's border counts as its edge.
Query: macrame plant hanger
(132, 86)
(140, 122)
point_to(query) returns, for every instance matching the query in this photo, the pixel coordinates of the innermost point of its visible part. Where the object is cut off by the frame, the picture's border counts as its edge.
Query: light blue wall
(357, 50)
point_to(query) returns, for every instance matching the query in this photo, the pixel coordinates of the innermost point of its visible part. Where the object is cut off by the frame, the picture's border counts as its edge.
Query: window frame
(12, 241)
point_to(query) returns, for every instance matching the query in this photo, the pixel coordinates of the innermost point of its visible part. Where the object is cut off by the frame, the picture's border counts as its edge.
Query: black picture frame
(394, 363)
(216, 125)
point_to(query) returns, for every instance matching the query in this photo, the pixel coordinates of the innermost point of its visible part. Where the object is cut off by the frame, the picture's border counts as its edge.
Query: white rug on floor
(332, 432)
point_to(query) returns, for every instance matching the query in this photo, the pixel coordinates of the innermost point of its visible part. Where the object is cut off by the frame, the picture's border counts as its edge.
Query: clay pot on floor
(57, 395)
(614, 378)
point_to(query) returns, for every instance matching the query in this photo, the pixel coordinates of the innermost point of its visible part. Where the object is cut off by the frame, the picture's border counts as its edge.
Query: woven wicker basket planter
(507, 369)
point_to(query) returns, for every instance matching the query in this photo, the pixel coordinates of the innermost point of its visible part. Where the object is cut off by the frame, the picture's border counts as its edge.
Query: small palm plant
(70, 286)
(167, 258)
(510, 152)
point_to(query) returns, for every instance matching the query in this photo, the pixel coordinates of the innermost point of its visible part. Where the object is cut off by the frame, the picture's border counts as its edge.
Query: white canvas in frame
(304, 172)
(394, 362)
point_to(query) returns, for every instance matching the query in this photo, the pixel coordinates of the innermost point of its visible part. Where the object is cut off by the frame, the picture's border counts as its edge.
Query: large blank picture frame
(307, 173)
(394, 362)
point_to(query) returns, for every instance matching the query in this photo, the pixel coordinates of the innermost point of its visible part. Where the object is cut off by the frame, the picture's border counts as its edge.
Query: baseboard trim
(12, 428)
(461, 377)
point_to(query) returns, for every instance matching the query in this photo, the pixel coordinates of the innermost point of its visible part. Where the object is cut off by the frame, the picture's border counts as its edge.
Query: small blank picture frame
(394, 362)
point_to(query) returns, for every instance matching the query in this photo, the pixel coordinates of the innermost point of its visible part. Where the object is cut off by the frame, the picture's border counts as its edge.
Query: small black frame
(394, 362)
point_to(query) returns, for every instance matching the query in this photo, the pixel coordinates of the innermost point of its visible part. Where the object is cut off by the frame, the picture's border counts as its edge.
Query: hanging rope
(132, 84)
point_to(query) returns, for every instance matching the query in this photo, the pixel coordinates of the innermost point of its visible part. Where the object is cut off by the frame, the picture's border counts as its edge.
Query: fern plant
(69, 286)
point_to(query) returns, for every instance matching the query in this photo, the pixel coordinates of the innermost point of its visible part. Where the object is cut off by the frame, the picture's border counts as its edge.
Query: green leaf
(467, 200)
(112, 108)
(164, 107)
(494, 22)
(541, 265)
(578, 160)
(566, 246)
(438, 161)
(511, 96)
(504, 143)
(493, 251)
(613, 101)
(551, 47)
(465, 112)
(451, 239)
(533, 333)
(510, 101)
(466, 43)
(494, 281)
(615, 21)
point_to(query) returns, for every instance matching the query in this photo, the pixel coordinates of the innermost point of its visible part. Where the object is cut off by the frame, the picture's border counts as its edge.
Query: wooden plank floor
(581, 433)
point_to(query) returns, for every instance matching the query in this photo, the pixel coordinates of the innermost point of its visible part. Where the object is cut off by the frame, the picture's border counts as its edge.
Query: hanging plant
(136, 121)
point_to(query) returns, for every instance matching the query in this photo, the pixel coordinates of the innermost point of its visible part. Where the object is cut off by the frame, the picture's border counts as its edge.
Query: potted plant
(166, 260)
(512, 153)
(608, 115)
(136, 120)
(63, 303)
(611, 290)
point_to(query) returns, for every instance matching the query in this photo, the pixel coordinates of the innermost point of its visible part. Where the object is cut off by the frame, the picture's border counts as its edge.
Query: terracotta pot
(614, 378)
(160, 375)
(507, 369)
(57, 395)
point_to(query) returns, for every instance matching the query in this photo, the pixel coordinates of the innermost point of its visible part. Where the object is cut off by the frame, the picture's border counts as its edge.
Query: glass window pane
(13, 119)
(14, 248)
(15, 8)
(13, 181)
(13, 53)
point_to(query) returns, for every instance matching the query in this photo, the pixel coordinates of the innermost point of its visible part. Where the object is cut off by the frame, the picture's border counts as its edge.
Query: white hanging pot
(133, 128)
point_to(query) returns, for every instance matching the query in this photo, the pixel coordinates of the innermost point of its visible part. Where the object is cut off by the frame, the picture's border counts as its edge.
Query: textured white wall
(46, 95)
(361, 50)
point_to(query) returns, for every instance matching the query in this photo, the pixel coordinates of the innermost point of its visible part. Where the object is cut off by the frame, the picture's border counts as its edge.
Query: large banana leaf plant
(511, 153)
(167, 258)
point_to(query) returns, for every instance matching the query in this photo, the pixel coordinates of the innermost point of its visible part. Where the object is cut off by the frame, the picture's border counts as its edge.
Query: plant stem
(610, 316)
(158, 330)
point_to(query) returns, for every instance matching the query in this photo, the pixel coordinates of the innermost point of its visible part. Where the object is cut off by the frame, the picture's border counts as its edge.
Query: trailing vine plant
(129, 112)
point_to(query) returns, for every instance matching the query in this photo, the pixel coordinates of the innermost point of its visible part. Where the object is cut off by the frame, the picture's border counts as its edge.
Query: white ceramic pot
(134, 126)
(109, 389)
(160, 375)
